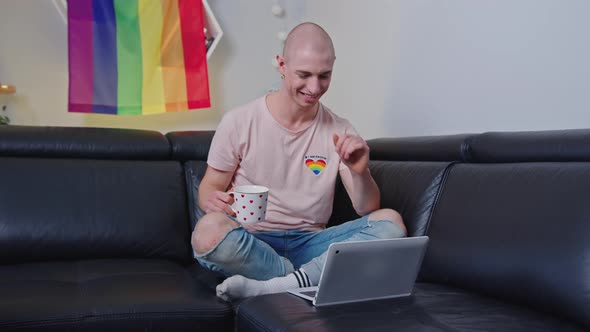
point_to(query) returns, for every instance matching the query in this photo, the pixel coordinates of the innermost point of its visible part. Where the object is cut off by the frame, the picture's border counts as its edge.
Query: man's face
(308, 73)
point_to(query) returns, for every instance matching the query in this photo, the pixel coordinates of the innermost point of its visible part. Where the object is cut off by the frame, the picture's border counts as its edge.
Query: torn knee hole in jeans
(388, 226)
(210, 251)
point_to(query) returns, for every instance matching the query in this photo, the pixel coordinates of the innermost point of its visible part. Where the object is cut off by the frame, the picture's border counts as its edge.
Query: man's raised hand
(354, 152)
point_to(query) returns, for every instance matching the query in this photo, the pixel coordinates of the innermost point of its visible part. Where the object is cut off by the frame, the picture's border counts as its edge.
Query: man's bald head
(308, 36)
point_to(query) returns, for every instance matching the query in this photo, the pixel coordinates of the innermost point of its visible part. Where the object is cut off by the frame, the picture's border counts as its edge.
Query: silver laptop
(367, 270)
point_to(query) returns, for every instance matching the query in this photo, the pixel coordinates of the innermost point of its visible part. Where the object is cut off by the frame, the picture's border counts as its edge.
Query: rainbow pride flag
(136, 56)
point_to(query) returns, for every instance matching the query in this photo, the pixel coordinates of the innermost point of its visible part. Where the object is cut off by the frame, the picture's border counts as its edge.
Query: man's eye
(303, 76)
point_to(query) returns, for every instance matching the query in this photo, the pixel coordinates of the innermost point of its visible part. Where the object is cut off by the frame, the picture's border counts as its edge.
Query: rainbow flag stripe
(136, 56)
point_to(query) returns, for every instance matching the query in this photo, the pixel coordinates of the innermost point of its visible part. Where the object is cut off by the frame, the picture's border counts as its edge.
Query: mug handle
(231, 206)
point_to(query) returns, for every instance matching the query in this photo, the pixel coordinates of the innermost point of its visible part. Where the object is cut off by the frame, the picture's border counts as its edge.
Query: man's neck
(289, 114)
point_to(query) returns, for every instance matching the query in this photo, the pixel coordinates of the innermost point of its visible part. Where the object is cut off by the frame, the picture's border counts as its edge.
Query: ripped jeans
(265, 255)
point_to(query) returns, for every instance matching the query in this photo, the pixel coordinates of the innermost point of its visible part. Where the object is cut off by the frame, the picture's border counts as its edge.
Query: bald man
(267, 142)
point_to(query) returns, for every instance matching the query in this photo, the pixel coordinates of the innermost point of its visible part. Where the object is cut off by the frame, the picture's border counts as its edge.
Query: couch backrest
(192, 149)
(421, 148)
(409, 172)
(410, 187)
(73, 193)
(515, 223)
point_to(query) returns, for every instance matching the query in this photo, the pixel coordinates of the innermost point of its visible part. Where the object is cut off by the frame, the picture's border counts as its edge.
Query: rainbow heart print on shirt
(316, 164)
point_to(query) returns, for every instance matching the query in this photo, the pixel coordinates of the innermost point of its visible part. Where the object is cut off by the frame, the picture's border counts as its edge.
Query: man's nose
(314, 85)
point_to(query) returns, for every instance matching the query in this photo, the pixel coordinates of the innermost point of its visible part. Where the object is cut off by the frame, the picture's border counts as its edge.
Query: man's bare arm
(362, 190)
(357, 179)
(212, 191)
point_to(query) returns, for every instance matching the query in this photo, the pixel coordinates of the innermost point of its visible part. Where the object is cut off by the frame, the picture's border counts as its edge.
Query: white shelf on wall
(214, 30)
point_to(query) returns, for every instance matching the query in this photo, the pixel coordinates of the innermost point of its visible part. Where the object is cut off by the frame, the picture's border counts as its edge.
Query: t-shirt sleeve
(223, 153)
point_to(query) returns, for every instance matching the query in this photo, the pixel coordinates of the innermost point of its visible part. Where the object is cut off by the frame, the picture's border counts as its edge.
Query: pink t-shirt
(299, 168)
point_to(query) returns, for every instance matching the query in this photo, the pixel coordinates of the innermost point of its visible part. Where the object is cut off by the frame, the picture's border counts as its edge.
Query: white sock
(237, 287)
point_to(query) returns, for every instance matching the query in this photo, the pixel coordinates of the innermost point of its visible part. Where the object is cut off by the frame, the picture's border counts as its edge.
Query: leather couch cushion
(194, 172)
(83, 208)
(103, 295)
(411, 188)
(190, 145)
(194, 145)
(423, 148)
(78, 142)
(432, 308)
(519, 231)
(548, 145)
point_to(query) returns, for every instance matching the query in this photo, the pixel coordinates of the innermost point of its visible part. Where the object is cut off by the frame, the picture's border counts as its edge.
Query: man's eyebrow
(308, 73)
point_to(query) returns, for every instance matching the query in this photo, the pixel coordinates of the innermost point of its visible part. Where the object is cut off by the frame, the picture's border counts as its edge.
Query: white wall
(428, 67)
(403, 68)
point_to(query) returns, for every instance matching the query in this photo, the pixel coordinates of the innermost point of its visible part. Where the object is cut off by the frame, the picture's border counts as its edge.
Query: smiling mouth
(309, 95)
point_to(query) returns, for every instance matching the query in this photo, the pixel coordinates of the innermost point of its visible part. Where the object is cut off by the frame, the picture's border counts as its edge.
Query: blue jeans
(265, 255)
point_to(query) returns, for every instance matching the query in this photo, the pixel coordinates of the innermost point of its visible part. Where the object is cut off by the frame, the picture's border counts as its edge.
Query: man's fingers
(221, 206)
(224, 197)
(343, 150)
(347, 148)
(351, 145)
(225, 201)
(347, 145)
(213, 208)
(221, 199)
(337, 143)
(228, 210)
(220, 202)
(343, 141)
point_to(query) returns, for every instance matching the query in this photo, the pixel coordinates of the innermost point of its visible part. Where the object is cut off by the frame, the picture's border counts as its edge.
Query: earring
(282, 76)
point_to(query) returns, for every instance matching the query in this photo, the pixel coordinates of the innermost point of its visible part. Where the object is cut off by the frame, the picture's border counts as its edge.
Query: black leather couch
(95, 234)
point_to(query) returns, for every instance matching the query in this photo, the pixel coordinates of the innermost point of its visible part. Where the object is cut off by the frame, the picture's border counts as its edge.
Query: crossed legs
(255, 268)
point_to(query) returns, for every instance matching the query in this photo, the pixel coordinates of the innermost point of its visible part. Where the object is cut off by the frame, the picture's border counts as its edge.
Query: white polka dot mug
(249, 203)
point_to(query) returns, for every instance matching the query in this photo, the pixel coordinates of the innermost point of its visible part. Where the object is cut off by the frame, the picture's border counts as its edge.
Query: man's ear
(280, 61)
